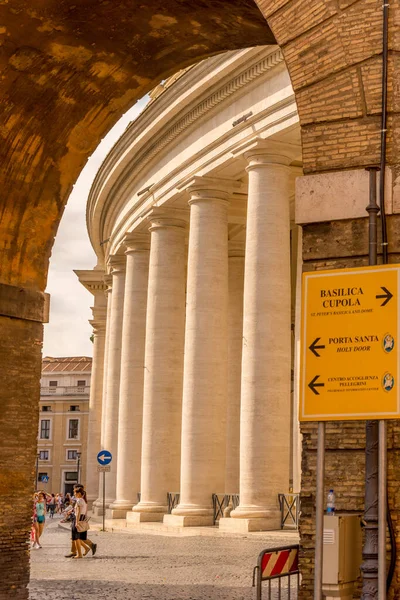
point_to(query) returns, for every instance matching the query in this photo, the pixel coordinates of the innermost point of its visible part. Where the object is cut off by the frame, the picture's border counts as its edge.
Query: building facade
(63, 423)
(192, 218)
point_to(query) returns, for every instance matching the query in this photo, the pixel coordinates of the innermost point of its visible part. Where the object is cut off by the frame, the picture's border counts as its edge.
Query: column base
(341, 590)
(118, 509)
(97, 511)
(144, 517)
(188, 520)
(116, 513)
(247, 525)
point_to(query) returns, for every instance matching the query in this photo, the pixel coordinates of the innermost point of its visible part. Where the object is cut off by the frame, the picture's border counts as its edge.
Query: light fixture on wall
(242, 119)
(144, 190)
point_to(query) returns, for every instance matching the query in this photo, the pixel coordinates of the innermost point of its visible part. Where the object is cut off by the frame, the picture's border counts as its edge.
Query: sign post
(349, 371)
(104, 458)
(349, 355)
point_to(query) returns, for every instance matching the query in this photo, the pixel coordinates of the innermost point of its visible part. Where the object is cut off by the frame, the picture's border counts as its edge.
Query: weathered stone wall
(334, 245)
(20, 360)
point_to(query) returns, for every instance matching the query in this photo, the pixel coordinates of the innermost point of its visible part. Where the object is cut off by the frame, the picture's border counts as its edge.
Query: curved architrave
(150, 155)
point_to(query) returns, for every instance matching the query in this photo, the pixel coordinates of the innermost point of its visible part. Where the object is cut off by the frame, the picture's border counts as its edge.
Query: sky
(68, 332)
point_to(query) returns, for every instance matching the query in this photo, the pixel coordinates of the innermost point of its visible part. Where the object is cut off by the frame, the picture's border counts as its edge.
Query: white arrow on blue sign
(104, 457)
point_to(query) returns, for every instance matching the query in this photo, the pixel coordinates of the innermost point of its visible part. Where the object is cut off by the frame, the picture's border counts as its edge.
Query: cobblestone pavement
(148, 567)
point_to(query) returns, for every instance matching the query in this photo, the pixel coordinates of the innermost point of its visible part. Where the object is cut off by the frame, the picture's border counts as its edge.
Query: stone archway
(68, 72)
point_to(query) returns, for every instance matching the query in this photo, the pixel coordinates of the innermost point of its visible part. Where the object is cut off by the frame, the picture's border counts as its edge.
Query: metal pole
(372, 210)
(385, 51)
(319, 512)
(104, 500)
(78, 456)
(369, 567)
(382, 510)
(37, 470)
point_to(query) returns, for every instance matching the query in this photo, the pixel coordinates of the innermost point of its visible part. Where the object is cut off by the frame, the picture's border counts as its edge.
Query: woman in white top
(79, 513)
(80, 510)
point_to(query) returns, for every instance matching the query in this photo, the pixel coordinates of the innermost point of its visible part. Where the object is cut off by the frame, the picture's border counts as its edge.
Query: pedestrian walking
(40, 513)
(79, 539)
(35, 526)
(52, 506)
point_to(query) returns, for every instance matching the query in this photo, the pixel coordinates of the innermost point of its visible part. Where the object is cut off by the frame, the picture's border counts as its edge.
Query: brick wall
(20, 360)
(332, 50)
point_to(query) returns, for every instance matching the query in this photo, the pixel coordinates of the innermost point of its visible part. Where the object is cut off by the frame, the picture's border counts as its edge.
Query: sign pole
(104, 458)
(319, 513)
(369, 567)
(104, 500)
(382, 510)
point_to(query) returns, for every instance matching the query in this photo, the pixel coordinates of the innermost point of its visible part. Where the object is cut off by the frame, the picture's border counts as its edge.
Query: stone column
(235, 336)
(206, 356)
(132, 374)
(108, 294)
(98, 503)
(94, 281)
(95, 403)
(266, 360)
(110, 441)
(162, 399)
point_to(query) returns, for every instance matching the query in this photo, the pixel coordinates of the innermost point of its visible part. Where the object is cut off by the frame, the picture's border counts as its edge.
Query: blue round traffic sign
(104, 457)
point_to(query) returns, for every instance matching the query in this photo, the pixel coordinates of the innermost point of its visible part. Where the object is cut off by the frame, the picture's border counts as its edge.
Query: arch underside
(70, 70)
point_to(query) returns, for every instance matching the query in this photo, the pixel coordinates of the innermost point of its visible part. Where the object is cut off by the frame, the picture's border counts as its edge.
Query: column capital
(259, 152)
(99, 327)
(236, 249)
(116, 263)
(99, 314)
(211, 188)
(160, 218)
(107, 284)
(136, 242)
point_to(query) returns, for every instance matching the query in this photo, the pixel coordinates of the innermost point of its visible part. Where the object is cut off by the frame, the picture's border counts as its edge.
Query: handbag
(82, 526)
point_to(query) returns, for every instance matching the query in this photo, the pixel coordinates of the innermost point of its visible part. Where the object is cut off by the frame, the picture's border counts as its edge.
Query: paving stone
(133, 566)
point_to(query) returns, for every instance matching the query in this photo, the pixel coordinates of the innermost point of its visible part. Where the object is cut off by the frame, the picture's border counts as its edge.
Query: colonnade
(197, 355)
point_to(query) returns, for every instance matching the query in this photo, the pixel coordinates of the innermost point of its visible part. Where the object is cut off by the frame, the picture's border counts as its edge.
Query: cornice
(182, 123)
(92, 280)
(206, 105)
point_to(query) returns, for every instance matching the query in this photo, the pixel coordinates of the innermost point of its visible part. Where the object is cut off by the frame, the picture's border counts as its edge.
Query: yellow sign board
(349, 344)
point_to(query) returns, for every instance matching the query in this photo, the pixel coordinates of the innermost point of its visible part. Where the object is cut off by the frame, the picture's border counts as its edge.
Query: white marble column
(266, 360)
(93, 281)
(108, 295)
(98, 503)
(95, 404)
(235, 335)
(113, 366)
(162, 399)
(132, 373)
(206, 356)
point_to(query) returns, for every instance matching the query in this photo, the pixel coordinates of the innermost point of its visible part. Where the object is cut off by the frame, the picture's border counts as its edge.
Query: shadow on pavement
(120, 590)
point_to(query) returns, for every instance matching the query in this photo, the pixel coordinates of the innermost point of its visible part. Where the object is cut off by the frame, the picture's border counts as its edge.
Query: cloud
(68, 333)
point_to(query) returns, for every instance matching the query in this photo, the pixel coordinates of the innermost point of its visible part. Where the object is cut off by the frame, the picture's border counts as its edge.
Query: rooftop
(52, 364)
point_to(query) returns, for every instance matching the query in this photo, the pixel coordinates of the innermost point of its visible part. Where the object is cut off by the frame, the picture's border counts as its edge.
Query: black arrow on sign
(314, 347)
(313, 385)
(387, 295)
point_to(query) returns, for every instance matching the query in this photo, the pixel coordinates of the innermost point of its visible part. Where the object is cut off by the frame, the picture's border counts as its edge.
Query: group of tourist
(75, 507)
